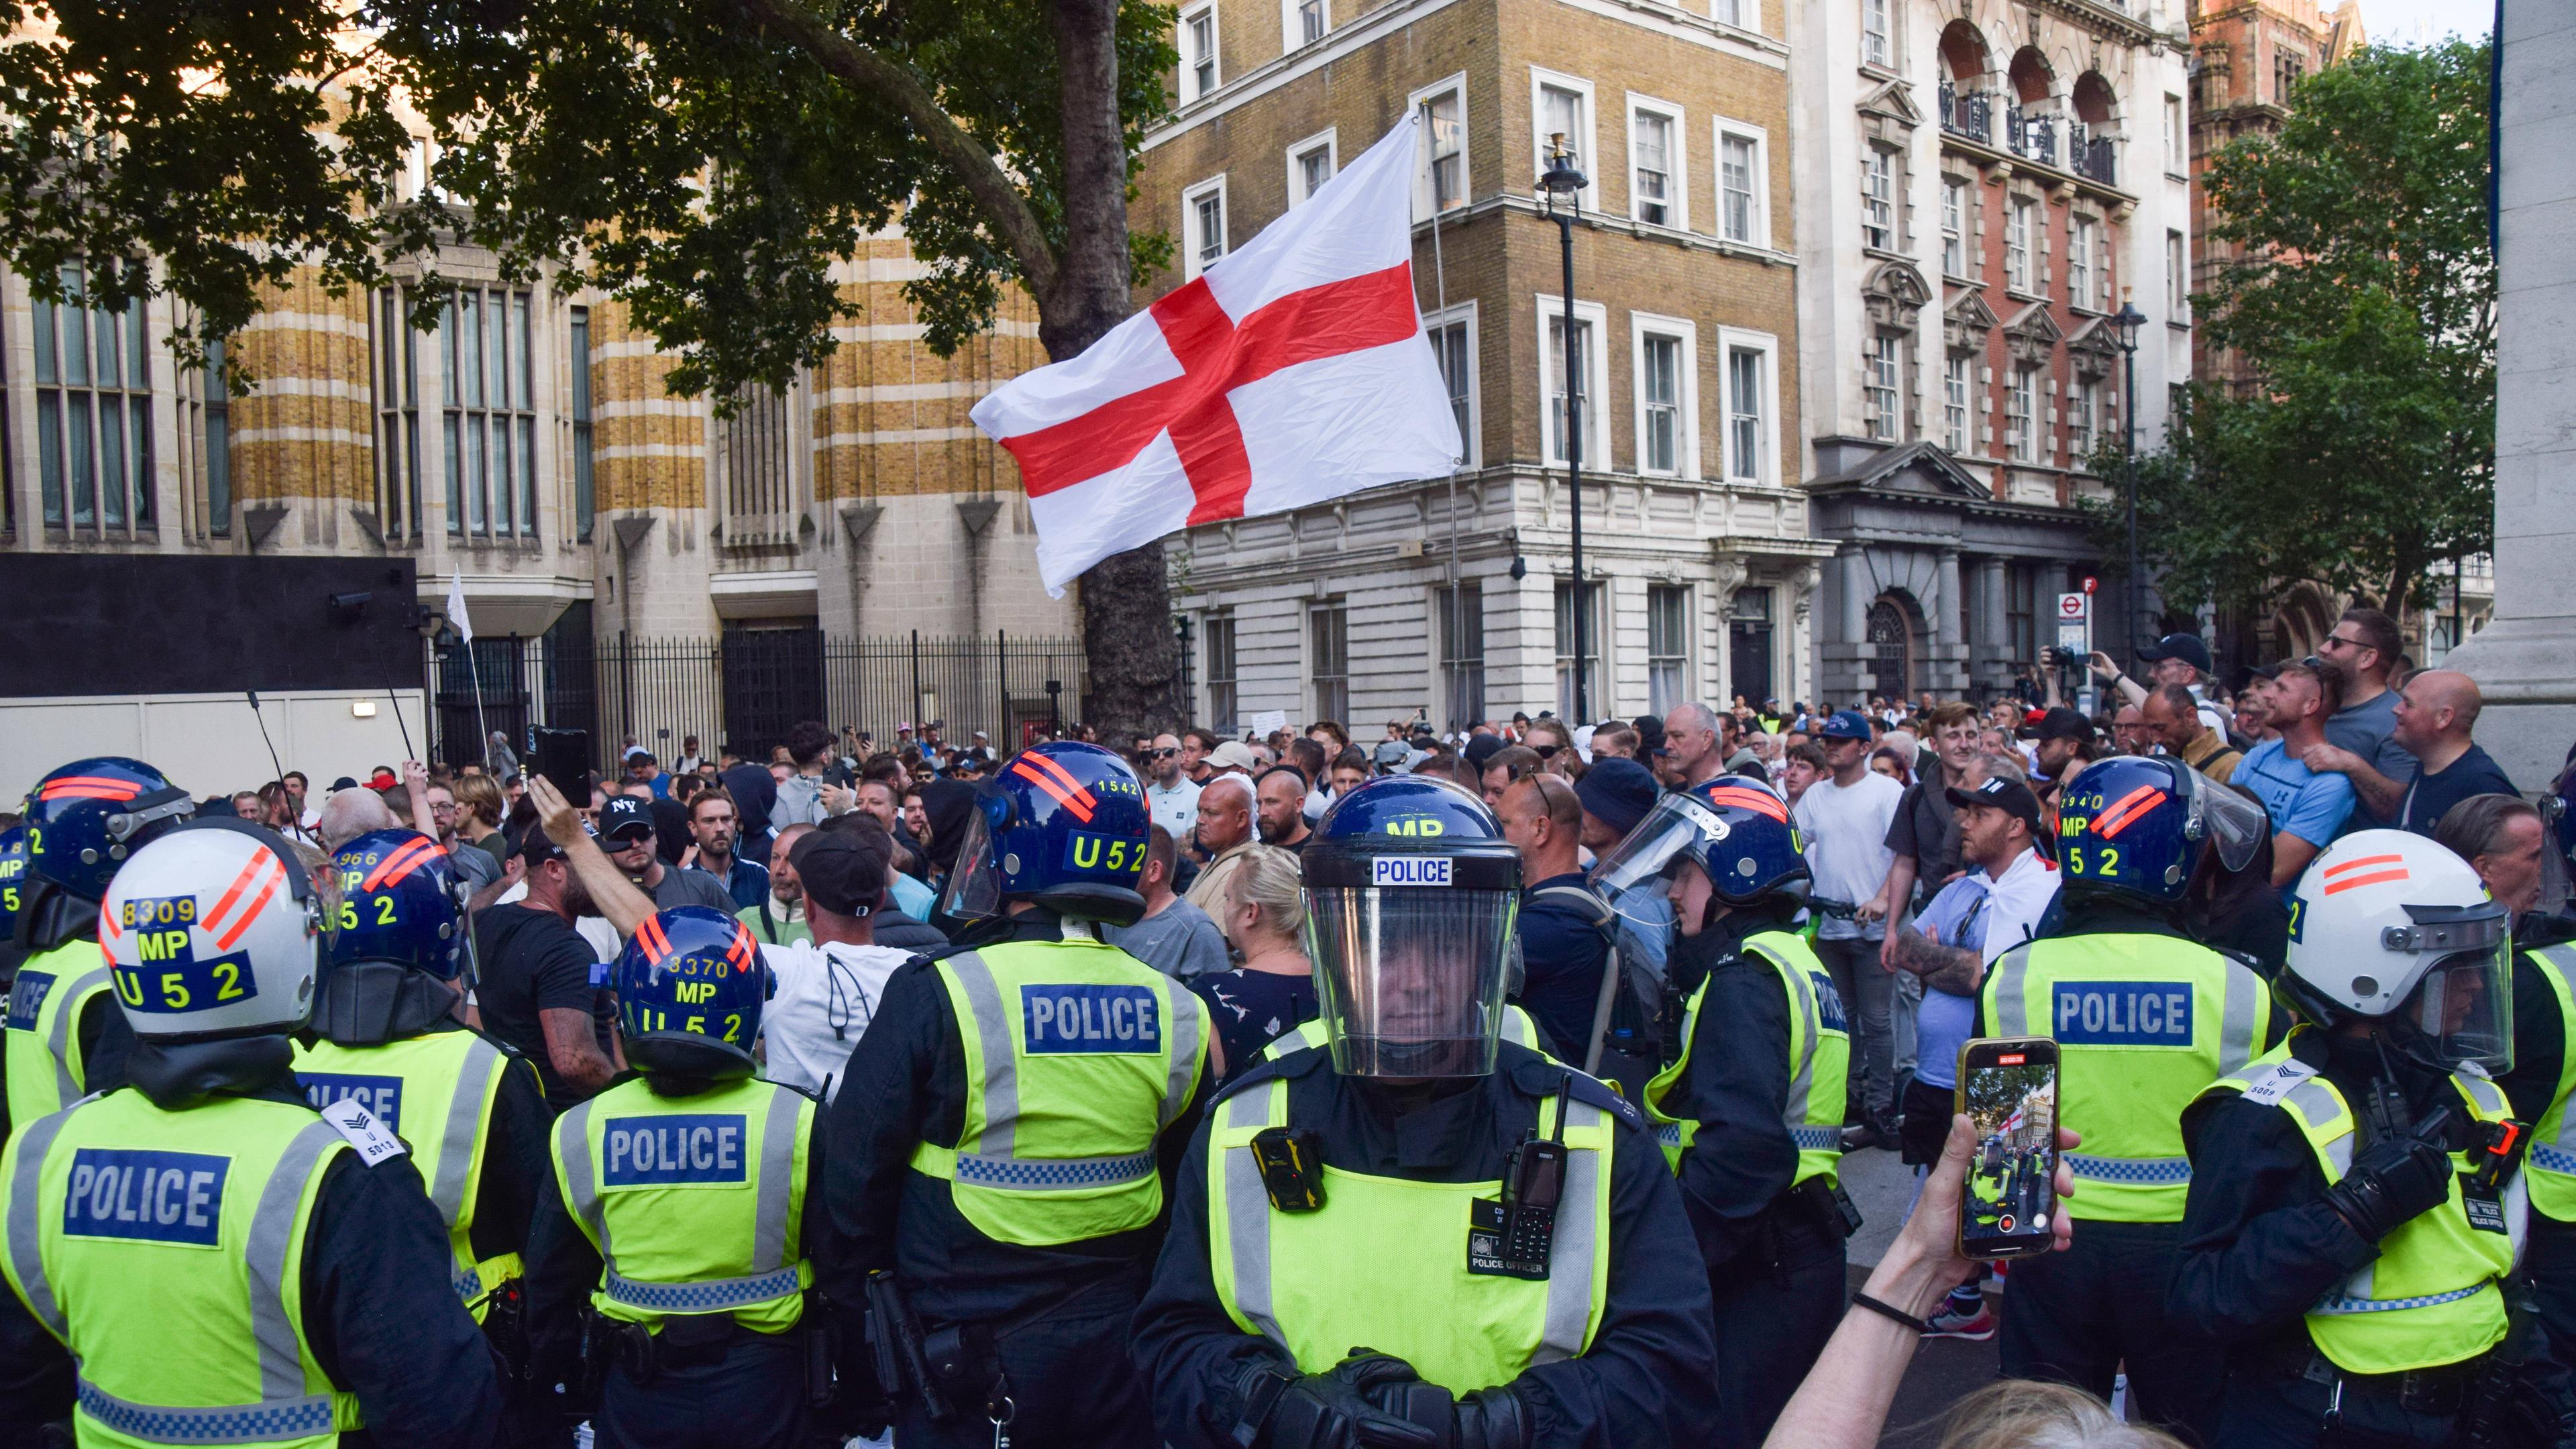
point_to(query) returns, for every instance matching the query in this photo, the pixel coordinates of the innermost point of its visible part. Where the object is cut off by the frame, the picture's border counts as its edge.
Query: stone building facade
(1456, 595)
(529, 445)
(1980, 186)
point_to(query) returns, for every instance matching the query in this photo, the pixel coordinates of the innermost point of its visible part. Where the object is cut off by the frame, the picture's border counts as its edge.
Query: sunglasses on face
(1162, 754)
(1546, 752)
(2339, 640)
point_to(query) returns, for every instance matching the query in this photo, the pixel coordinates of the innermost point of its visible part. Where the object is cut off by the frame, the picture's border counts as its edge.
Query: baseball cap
(2060, 723)
(844, 871)
(2011, 796)
(1233, 755)
(1482, 748)
(345, 782)
(2186, 647)
(1845, 724)
(1391, 753)
(622, 818)
(1618, 792)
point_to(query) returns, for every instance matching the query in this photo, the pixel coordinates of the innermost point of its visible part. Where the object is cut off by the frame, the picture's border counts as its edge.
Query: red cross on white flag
(1292, 371)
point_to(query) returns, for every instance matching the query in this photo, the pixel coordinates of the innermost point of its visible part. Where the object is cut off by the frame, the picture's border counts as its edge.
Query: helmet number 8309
(2105, 860)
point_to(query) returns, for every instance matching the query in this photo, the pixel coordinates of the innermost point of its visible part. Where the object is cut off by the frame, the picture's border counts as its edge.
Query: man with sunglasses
(2362, 651)
(1170, 794)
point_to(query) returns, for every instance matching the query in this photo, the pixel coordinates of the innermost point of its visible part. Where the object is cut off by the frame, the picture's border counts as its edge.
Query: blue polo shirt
(2300, 801)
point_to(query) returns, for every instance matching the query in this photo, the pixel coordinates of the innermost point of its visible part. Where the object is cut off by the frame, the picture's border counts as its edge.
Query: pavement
(1944, 1370)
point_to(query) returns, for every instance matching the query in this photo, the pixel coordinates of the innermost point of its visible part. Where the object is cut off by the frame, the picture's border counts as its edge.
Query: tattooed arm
(1954, 969)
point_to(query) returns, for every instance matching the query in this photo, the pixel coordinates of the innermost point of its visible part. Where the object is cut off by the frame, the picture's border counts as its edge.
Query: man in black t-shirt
(541, 988)
(2435, 713)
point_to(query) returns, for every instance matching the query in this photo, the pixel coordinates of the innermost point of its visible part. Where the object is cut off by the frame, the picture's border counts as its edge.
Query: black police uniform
(1644, 1382)
(1057, 1316)
(2261, 1244)
(1775, 1259)
(2539, 1055)
(380, 1312)
(744, 1389)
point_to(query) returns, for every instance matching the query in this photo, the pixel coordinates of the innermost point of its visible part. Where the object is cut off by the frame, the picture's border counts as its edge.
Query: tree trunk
(1126, 600)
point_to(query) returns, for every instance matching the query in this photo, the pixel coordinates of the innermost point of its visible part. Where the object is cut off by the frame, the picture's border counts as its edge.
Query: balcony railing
(1968, 113)
(2033, 138)
(2090, 156)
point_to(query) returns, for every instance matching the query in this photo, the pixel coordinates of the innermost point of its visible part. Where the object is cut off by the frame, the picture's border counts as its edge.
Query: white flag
(456, 607)
(1293, 371)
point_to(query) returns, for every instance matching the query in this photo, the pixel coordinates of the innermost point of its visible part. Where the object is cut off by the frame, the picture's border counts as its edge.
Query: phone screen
(563, 758)
(2008, 1091)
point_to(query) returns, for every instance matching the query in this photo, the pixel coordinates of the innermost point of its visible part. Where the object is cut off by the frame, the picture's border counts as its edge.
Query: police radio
(1512, 1236)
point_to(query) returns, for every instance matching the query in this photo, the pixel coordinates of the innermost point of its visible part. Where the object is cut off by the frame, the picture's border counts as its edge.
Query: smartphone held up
(2008, 1092)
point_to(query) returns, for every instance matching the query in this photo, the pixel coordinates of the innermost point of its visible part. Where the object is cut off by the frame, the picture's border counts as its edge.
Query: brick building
(1980, 186)
(1456, 595)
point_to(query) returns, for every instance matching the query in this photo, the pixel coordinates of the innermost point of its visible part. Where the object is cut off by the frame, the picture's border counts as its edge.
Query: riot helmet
(1735, 828)
(210, 931)
(399, 936)
(1064, 825)
(690, 987)
(2389, 926)
(2139, 827)
(1411, 897)
(84, 820)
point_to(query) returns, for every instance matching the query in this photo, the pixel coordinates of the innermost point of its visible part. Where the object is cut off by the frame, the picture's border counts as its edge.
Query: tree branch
(877, 75)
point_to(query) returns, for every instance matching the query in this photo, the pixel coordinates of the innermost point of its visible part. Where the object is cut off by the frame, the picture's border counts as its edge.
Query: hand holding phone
(2008, 1092)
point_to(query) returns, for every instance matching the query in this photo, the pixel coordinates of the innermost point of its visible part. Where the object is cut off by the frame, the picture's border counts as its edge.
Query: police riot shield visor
(1411, 977)
(975, 882)
(2228, 820)
(1678, 828)
(2462, 1006)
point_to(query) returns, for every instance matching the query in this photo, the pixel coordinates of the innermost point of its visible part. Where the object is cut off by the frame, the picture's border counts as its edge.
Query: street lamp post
(2124, 330)
(1562, 186)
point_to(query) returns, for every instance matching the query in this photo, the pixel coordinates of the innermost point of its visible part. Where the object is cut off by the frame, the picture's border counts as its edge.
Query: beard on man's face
(576, 896)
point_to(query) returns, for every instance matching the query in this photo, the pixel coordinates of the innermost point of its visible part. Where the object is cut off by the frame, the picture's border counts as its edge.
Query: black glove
(1493, 1419)
(2395, 1180)
(1486, 1419)
(1335, 1410)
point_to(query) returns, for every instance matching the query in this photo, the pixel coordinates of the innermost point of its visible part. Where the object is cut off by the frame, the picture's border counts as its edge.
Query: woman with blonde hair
(1263, 916)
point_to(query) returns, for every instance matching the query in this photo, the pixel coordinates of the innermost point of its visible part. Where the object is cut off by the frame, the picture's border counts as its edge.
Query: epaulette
(1542, 1078)
(1288, 1067)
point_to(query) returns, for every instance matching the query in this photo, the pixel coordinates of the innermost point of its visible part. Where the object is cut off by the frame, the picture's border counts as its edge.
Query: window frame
(137, 411)
(1425, 195)
(582, 423)
(1674, 661)
(2020, 243)
(2021, 407)
(1877, 165)
(2083, 252)
(1587, 154)
(1954, 226)
(1292, 29)
(1767, 423)
(1592, 597)
(455, 413)
(1883, 52)
(1596, 413)
(1192, 265)
(1328, 693)
(1216, 626)
(2177, 133)
(1329, 140)
(1676, 200)
(1462, 675)
(2083, 420)
(1462, 315)
(1758, 232)
(1958, 404)
(2177, 277)
(1883, 388)
(1685, 335)
(1214, 59)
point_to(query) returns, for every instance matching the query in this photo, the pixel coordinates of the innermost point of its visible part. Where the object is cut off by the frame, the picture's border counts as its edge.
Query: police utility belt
(695, 1340)
(1508, 1236)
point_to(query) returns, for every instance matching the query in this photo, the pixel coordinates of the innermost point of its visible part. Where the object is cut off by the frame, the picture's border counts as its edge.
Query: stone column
(1948, 675)
(2525, 659)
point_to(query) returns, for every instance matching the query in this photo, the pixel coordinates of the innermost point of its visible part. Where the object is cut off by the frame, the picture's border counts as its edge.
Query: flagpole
(464, 624)
(1457, 579)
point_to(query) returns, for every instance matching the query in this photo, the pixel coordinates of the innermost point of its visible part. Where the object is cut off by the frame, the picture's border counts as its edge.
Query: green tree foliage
(2363, 301)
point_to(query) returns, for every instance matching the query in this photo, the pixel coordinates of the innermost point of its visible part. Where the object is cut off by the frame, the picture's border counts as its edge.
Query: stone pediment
(2092, 349)
(1895, 292)
(1919, 468)
(1966, 321)
(2032, 333)
(1894, 101)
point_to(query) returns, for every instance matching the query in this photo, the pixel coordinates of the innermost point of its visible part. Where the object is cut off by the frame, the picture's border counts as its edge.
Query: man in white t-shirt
(1170, 796)
(828, 987)
(1844, 819)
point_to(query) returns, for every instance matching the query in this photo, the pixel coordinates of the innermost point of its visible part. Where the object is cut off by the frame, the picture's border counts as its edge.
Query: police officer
(325, 1304)
(999, 1152)
(2354, 1203)
(385, 1034)
(1496, 1228)
(13, 886)
(1750, 1110)
(82, 821)
(2144, 1019)
(687, 1210)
